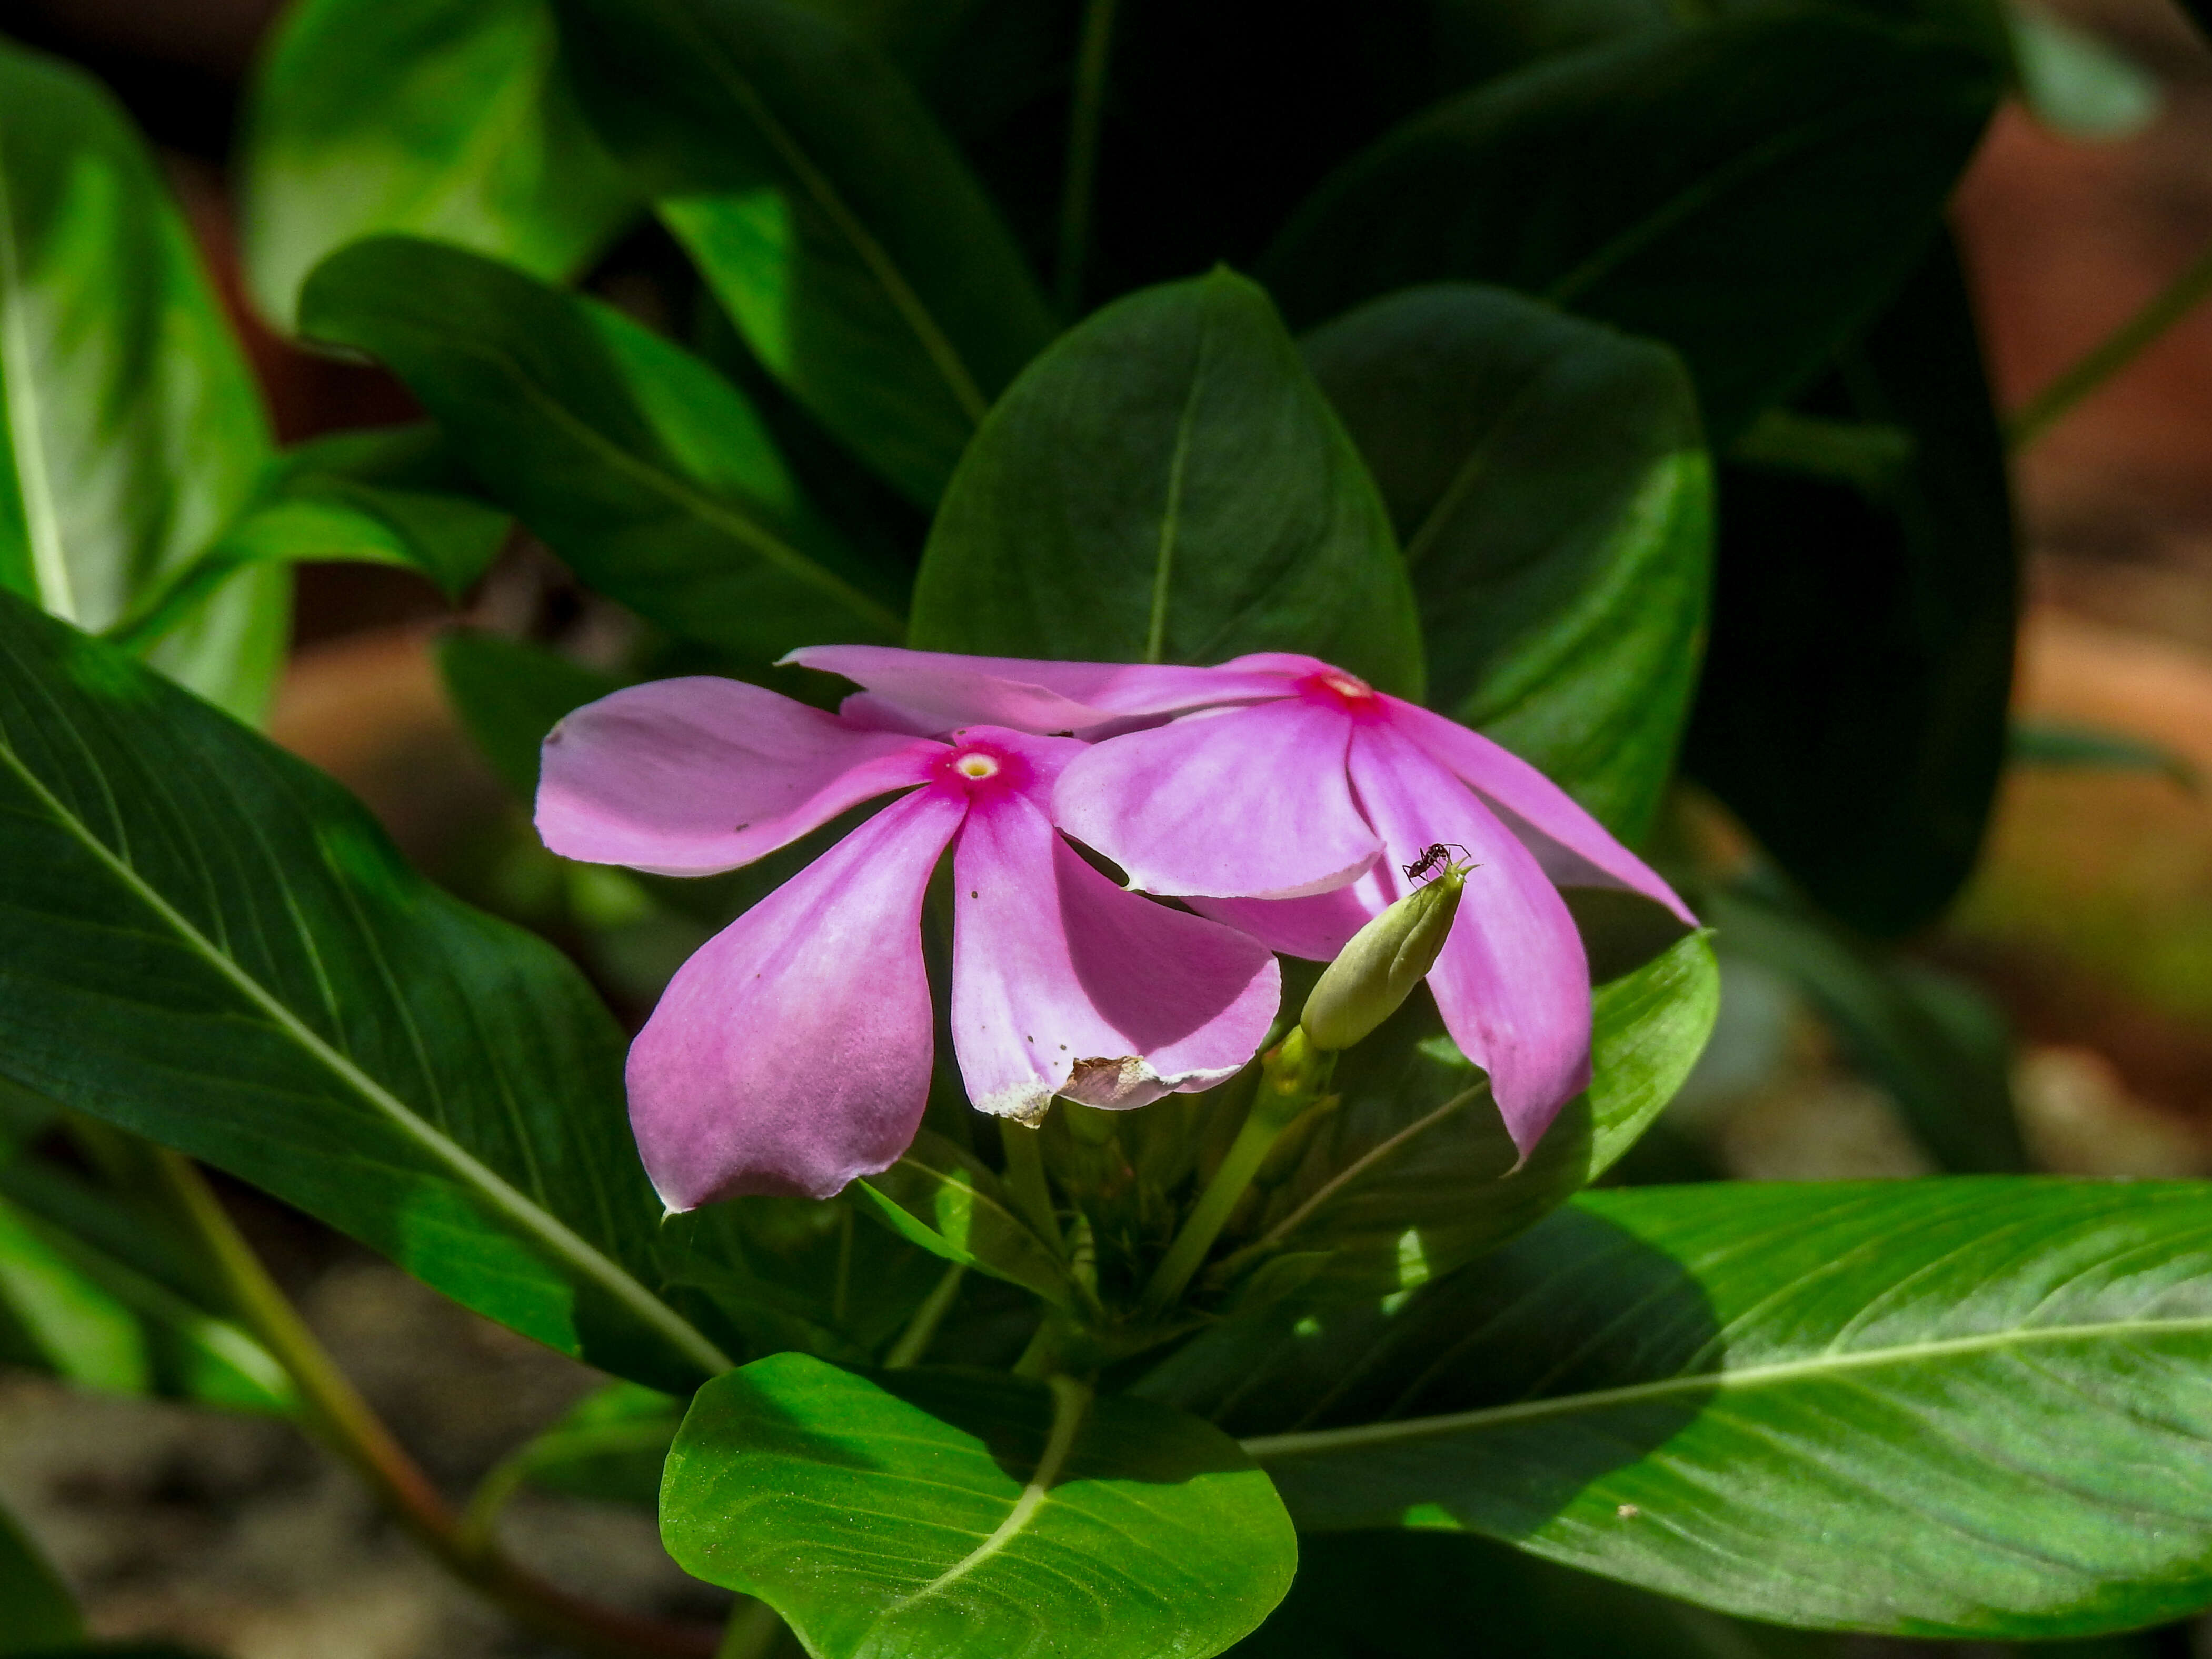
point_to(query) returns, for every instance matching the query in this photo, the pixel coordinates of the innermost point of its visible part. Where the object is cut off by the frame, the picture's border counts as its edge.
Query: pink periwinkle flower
(792, 1052)
(1284, 795)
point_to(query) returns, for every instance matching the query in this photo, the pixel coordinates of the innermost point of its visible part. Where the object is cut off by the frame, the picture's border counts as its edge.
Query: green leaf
(206, 942)
(2056, 744)
(39, 1612)
(953, 1205)
(2075, 81)
(609, 1448)
(130, 431)
(1932, 1042)
(633, 460)
(1167, 484)
(1003, 1516)
(90, 1290)
(1546, 478)
(1857, 686)
(831, 215)
(510, 694)
(1973, 1407)
(426, 117)
(1749, 191)
(387, 496)
(1417, 1595)
(1414, 1173)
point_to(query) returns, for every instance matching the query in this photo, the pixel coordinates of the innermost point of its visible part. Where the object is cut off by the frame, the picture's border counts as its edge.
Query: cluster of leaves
(1540, 295)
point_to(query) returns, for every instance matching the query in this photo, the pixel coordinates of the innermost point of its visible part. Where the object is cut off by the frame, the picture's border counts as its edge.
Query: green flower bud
(1378, 969)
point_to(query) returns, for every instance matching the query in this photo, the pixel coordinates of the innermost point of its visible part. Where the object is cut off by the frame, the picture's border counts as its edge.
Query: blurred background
(2078, 964)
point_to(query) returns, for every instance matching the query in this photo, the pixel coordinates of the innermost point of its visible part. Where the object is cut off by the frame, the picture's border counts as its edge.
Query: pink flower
(792, 1052)
(1284, 797)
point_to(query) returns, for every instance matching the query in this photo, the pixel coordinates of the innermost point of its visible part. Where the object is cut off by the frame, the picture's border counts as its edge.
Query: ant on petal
(1432, 856)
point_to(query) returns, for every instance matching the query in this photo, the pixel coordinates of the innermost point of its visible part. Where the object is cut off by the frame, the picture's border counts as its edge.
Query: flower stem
(1085, 109)
(335, 1413)
(913, 1341)
(1025, 1177)
(2112, 353)
(1292, 1077)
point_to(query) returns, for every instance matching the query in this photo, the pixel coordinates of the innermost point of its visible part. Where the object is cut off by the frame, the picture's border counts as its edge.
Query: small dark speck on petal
(745, 826)
(1028, 1039)
(972, 893)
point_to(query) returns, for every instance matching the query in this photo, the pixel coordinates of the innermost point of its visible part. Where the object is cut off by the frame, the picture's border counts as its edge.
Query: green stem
(2112, 353)
(752, 1632)
(336, 1413)
(1086, 111)
(1291, 1078)
(1025, 1178)
(913, 1341)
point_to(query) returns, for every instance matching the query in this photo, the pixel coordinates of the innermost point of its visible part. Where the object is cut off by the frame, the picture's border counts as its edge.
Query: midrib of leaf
(1813, 1368)
(1468, 473)
(1155, 624)
(49, 569)
(1565, 290)
(497, 122)
(658, 481)
(502, 1197)
(939, 350)
(1071, 1403)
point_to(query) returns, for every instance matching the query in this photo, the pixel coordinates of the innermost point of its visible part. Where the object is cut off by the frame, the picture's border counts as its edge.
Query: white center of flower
(1345, 686)
(975, 765)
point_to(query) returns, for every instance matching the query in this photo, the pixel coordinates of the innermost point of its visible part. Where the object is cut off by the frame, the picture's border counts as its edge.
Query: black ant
(1432, 855)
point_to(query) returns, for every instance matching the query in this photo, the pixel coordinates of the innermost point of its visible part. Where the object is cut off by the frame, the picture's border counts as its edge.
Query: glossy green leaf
(1414, 1173)
(952, 1204)
(1749, 191)
(96, 1293)
(36, 1611)
(130, 431)
(640, 466)
(1976, 1406)
(1167, 484)
(915, 1514)
(425, 117)
(1546, 478)
(509, 694)
(1858, 682)
(205, 941)
(833, 219)
(1417, 1595)
(387, 496)
(1933, 1042)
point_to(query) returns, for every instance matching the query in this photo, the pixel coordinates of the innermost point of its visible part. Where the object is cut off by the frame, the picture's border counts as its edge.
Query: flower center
(976, 764)
(1347, 691)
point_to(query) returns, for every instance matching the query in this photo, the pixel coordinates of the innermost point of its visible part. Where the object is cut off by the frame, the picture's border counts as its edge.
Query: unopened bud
(1378, 969)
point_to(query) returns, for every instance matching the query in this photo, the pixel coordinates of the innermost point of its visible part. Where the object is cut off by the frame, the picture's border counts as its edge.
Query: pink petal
(1315, 928)
(1512, 984)
(1062, 983)
(1238, 803)
(943, 690)
(792, 1052)
(1580, 851)
(685, 777)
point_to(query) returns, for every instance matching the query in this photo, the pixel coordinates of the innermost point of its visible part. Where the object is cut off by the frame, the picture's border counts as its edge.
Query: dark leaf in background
(1548, 484)
(424, 117)
(509, 694)
(1167, 484)
(1006, 1516)
(1749, 191)
(1430, 1594)
(1853, 712)
(209, 943)
(132, 430)
(39, 1612)
(646, 470)
(1975, 1406)
(954, 1206)
(827, 211)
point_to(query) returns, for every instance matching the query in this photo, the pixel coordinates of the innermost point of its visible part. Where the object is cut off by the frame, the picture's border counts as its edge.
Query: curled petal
(684, 777)
(1315, 928)
(937, 690)
(1238, 803)
(1063, 983)
(1512, 983)
(792, 1053)
(1569, 843)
